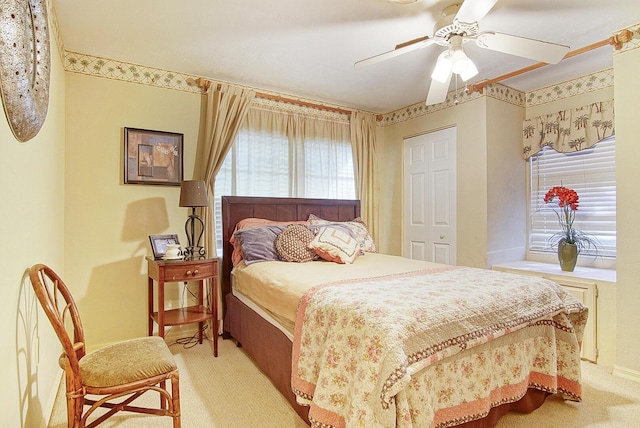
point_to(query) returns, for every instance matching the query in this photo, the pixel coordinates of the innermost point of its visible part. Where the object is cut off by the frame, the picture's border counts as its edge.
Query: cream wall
(32, 230)
(506, 181)
(107, 223)
(627, 93)
(487, 166)
(471, 196)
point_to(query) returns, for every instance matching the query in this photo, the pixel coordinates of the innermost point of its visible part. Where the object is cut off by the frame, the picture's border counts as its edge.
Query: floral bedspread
(387, 351)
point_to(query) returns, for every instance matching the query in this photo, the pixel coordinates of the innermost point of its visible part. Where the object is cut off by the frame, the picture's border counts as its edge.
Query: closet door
(430, 197)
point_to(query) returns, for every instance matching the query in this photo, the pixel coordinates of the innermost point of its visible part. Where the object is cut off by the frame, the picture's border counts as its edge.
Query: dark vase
(567, 255)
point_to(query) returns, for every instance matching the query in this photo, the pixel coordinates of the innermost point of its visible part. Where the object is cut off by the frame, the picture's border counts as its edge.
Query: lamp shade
(193, 193)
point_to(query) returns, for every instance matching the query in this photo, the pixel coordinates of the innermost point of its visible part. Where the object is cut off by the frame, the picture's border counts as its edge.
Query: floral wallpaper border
(267, 104)
(582, 85)
(454, 98)
(119, 70)
(590, 82)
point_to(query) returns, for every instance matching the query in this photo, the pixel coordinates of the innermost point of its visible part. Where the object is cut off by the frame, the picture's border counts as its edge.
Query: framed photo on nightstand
(159, 244)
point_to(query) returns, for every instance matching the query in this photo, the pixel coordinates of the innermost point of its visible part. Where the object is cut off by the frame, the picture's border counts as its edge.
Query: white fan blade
(399, 50)
(474, 10)
(538, 50)
(438, 91)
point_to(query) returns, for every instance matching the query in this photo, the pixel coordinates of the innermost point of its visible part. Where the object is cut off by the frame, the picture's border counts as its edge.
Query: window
(267, 163)
(589, 172)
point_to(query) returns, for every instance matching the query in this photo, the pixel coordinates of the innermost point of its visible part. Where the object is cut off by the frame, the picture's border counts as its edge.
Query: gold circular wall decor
(25, 64)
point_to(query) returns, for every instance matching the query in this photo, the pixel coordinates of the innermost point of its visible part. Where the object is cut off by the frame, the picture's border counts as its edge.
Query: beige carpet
(229, 391)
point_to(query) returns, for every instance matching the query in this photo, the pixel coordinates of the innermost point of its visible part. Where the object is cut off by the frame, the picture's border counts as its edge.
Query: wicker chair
(113, 376)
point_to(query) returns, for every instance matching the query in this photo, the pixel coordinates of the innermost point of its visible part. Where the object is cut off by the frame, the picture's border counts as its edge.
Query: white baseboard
(626, 373)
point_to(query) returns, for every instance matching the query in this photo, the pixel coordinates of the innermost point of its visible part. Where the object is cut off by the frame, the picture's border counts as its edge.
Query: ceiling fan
(458, 25)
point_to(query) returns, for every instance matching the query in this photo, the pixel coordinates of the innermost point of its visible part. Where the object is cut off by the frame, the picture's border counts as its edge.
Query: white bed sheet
(263, 313)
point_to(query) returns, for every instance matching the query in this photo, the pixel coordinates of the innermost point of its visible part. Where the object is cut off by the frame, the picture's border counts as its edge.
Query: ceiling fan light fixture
(470, 71)
(459, 61)
(442, 69)
(461, 64)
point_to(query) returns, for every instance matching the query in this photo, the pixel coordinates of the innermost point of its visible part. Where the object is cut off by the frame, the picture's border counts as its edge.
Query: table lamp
(193, 193)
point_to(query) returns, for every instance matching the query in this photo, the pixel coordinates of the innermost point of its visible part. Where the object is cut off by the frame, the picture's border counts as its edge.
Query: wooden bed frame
(236, 208)
(267, 345)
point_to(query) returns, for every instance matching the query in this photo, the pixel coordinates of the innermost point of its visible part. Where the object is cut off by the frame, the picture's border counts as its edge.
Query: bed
(465, 374)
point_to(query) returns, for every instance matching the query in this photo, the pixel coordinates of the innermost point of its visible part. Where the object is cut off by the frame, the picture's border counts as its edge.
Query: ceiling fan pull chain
(455, 94)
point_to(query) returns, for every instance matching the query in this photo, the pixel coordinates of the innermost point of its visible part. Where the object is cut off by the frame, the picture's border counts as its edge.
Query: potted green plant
(570, 241)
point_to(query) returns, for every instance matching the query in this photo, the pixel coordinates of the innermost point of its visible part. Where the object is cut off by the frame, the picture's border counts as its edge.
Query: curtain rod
(205, 84)
(617, 40)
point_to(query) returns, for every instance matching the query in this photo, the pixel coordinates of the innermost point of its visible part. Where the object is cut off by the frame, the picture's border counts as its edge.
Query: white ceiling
(307, 48)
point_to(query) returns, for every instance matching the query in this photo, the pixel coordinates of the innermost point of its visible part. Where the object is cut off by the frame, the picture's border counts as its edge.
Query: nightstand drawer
(190, 272)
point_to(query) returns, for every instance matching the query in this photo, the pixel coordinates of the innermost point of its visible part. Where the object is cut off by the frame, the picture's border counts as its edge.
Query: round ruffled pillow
(291, 244)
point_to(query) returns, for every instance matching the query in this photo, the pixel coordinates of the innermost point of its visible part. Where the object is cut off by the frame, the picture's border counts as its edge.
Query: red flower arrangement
(568, 205)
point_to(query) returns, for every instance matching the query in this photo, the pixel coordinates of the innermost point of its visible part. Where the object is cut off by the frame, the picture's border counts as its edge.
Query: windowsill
(594, 274)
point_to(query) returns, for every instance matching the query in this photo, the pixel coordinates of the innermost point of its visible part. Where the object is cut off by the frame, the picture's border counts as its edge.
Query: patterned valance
(569, 130)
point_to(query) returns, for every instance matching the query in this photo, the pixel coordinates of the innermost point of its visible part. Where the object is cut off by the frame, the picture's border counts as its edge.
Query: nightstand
(163, 271)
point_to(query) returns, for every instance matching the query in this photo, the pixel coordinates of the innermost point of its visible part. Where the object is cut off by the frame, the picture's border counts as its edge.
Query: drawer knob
(195, 272)
(189, 273)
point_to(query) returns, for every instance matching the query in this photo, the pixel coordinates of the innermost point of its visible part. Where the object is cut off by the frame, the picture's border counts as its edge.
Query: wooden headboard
(236, 208)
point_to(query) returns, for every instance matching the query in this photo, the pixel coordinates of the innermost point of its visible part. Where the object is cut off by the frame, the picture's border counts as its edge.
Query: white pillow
(357, 226)
(335, 245)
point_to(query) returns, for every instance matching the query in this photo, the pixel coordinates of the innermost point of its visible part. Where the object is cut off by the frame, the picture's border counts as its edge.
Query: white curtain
(292, 155)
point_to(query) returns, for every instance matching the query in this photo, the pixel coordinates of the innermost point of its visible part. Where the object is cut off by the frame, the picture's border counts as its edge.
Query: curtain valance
(569, 130)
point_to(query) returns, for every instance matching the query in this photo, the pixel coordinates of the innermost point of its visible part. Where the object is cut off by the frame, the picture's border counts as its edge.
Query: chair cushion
(127, 361)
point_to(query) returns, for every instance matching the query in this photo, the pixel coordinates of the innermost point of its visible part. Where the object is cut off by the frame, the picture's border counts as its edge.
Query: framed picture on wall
(152, 157)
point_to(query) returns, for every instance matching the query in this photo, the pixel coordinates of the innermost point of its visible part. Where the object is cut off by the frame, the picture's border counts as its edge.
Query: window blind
(589, 172)
(261, 163)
